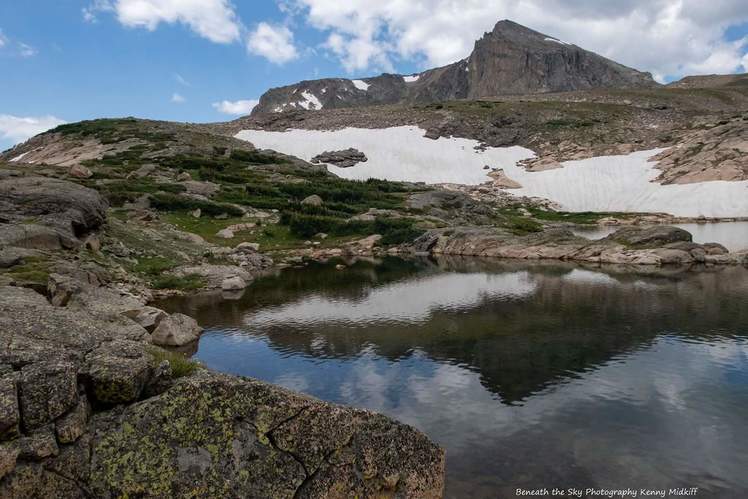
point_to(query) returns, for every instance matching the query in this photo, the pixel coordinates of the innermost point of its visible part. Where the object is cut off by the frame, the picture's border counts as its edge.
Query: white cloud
(666, 37)
(3, 40)
(177, 98)
(181, 80)
(89, 13)
(17, 129)
(238, 107)
(211, 19)
(275, 43)
(25, 50)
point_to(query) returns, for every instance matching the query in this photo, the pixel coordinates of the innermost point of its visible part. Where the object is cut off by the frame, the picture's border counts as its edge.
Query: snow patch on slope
(19, 157)
(556, 40)
(608, 183)
(361, 85)
(411, 78)
(310, 101)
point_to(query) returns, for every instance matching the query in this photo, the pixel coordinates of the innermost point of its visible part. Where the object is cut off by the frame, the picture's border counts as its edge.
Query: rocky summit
(510, 60)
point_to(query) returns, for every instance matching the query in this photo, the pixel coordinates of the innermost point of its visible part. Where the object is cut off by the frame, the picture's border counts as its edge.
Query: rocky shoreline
(91, 406)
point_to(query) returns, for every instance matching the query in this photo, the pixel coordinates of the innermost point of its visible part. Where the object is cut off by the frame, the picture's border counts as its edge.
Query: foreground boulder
(63, 212)
(87, 410)
(231, 437)
(176, 330)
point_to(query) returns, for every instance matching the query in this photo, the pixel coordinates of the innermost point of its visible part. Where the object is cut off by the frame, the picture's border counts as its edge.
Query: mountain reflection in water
(528, 374)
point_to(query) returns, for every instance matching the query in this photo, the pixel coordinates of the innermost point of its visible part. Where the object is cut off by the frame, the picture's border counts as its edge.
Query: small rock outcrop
(345, 158)
(313, 200)
(176, 330)
(629, 245)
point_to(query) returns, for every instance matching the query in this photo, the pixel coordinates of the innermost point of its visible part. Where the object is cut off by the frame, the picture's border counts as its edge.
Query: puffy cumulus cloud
(17, 129)
(177, 98)
(211, 19)
(666, 37)
(273, 42)
(3, 40)
(237, 108)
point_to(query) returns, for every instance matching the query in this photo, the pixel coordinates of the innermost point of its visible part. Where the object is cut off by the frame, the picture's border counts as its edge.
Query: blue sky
(68, 60)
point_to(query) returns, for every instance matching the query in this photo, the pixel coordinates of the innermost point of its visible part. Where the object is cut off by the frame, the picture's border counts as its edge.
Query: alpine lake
(530, 375)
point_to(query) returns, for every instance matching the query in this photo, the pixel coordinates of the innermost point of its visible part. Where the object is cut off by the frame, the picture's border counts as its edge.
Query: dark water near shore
(529, 375)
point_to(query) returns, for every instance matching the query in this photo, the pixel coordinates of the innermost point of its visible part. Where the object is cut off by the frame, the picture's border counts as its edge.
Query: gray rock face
(345, 158)
(176, 330)
(230, 437)
(313, 200)
(511, 59)
(63, 212)
(146, 434)
(630, 245)
(651, 236)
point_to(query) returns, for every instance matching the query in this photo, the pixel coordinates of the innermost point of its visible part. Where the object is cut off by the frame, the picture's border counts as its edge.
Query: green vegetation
(180, 365)
(34, 271)
(171, 202)
(154, 269)
(520, 225)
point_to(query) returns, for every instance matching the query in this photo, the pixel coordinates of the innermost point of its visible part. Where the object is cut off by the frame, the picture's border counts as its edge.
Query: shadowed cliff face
(511, 59)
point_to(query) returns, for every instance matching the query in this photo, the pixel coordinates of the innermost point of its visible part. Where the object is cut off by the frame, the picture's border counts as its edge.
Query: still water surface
(528, 375)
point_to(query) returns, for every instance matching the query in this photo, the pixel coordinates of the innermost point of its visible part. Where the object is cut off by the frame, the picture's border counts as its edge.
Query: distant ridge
(511, 59)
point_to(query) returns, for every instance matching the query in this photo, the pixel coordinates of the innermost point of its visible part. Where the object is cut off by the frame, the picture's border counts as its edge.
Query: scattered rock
(313, 200)
(176, 330)
(225, 234)
(233, 283)
(80, 171)
(196, 213)
(247, 247)
(501, 180)
(340, 266)
(345, 158)
(184, 177)
(206, 189)
(147, 317)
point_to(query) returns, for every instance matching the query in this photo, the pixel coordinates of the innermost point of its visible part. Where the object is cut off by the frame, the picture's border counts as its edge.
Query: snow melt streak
(608, 183)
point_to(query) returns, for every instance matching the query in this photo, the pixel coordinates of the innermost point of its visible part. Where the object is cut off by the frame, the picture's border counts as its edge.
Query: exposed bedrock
(344, 158)
(630, 245)
(87, 410)
(47, 213)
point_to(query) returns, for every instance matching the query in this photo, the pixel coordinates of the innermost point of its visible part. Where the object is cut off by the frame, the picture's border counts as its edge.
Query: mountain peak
(511, 59)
